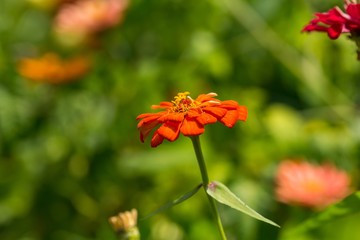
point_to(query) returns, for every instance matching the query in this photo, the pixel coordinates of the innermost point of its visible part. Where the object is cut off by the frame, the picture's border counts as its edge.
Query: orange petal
(215, 111)
(206, 118)
(191, 127)
(203, 98)
(149, 117)
(156, 140)
(144, 115)
(170, 130)
(229, 104)
(243, 113)
(230, 118)
(146, 129)
(193, 113)
(176, 117)
(162, 105)
(207, 97)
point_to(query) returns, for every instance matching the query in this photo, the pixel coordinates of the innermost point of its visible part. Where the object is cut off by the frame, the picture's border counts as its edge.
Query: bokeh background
(70, 154)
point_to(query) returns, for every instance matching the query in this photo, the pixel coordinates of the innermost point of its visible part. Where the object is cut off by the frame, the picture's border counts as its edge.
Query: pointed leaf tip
(222, 194)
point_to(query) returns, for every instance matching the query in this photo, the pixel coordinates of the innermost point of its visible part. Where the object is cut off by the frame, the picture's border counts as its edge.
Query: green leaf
(223, 195)
(348, 206)
(175, 202)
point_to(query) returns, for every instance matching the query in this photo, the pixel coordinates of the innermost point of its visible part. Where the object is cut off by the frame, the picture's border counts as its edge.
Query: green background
(70, 154)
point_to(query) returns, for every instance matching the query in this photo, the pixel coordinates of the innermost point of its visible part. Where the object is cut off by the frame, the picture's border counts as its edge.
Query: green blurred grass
(70, 156)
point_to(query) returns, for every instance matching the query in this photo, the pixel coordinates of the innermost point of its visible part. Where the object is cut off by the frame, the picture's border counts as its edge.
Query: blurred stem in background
(205, 178)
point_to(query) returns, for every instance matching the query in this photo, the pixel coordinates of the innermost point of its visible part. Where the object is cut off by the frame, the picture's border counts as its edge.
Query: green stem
(199, 156)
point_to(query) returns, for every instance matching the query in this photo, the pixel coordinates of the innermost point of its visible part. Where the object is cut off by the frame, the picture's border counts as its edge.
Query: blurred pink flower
(314, 186)
(82, 18)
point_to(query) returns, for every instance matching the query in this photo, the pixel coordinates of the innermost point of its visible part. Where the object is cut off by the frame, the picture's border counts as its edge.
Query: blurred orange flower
(79, 19)
(314, 186)
(187, 116)
(51, 69)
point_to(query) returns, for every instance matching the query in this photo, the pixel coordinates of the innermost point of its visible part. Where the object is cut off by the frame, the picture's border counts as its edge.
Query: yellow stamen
(182, 102)
(180, 97)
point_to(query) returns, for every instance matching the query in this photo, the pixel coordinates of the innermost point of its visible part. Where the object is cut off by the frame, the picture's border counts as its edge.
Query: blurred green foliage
(70, 154)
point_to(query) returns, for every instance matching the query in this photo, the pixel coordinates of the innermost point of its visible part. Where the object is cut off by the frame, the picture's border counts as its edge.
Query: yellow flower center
(182, 103)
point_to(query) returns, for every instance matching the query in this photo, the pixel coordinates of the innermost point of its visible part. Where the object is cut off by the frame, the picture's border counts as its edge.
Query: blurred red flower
(314, 186)
(187, 116)
(335, 21)
(51, 68)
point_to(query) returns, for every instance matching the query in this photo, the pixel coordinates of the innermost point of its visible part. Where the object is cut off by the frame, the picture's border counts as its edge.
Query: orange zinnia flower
(50, 68)
(314, 186)
(187, 116)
